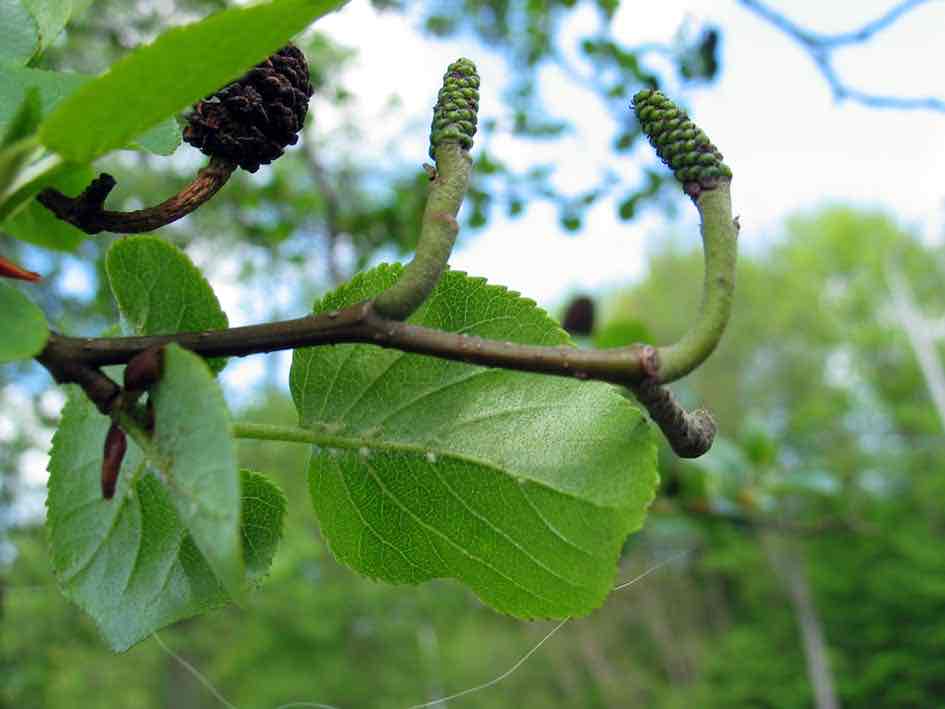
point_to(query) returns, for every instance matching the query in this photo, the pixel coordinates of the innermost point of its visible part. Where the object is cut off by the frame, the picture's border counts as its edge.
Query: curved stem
(87, 212)
(720, 244)
(689, 434)
(437, 235)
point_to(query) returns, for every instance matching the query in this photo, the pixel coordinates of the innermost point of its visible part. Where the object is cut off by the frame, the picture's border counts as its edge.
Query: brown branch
(361, 323)
(87, 212)
(72, 359)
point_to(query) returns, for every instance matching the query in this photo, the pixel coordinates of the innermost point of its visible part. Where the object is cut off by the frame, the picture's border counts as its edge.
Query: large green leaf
(37, 225)
(522, 486)
(54, 87)
(181, 66)
(19, 35)
(23, 325)
(194, 450)
(160, 291)
(129, 562)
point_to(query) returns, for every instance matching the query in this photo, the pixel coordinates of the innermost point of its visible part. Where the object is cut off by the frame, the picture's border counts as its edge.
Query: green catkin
(688, 152)
(457, 106)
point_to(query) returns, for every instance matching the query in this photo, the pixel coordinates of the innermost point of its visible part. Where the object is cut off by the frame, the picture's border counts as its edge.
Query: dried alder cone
(251, 121)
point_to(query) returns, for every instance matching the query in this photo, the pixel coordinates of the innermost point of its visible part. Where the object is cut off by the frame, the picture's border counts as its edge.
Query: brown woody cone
(251, 121)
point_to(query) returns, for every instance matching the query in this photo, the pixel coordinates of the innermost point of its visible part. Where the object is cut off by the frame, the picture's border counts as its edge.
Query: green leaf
(160, 291)
(23, 325)
(522, 486)
(162, 139)
(51, 17)
(15, 146)
(24, 120)
(262, 521)
(19, 35)
(37, 225)
(181, 66)
(55, 86)
(28, 181)
(129, 562)
(12, 160)
(194, 450)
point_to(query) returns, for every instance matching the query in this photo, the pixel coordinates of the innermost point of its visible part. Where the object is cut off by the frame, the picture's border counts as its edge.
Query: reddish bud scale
(116, 443)
(8, 269)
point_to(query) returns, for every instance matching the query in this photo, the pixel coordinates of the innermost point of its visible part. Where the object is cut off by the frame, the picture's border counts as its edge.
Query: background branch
(332, 211)
(821, 48)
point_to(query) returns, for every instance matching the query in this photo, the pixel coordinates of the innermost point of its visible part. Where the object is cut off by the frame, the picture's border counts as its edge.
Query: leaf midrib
(297, 434)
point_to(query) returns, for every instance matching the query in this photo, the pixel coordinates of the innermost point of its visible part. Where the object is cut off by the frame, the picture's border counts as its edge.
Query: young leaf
(183, 65)
(23, 325)
(159, 290)
(262, 519)
(129, 562)
(19, 35)
(193, 449)
(54, 87)
(521, 486)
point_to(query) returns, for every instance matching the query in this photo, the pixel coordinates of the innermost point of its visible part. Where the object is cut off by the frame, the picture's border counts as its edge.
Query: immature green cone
(680, 144)
(457, 106)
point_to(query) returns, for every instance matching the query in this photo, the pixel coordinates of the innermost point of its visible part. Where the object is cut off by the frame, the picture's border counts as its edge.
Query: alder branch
(364, 324)
(72, 359)
(361, 323)
(87, 211)
(643, 368)
(821, 48)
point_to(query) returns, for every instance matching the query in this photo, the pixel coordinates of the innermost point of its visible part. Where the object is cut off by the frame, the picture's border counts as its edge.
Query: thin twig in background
(821, 48)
